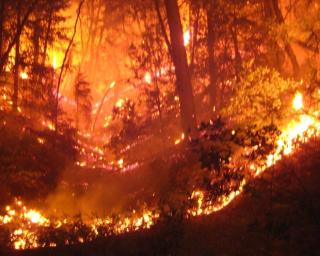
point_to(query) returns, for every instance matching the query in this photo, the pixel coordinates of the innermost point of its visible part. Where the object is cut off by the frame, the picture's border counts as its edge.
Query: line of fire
(159, 127)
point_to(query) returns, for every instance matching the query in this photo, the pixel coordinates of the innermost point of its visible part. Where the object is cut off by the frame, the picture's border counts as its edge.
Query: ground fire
(136, 120)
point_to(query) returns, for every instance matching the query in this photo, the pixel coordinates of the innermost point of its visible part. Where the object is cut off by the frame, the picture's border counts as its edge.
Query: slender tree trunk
(2, 6)
(46, 40)
(16, 67)
(63, 66)
(211, 41)
(90, 7)
(99, 109)
(237, 59)
(93, 44)
(77, 113)
(179, 57)
(36, 42)
(195, 10)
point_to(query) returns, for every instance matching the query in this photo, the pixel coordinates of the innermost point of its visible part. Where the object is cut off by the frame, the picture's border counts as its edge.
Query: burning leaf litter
(24, 223)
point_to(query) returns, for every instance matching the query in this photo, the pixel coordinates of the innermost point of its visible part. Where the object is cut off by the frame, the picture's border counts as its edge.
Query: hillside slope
(278, 214)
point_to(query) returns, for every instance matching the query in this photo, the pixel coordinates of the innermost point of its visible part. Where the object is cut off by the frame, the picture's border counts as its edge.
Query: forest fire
(24, 223)
(116, 116)
(295, 132)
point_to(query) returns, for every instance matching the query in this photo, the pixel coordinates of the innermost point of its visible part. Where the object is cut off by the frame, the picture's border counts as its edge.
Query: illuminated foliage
(259, 96)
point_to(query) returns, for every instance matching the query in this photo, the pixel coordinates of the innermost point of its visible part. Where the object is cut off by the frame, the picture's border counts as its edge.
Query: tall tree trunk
(16, 67)
(77, 113)
(46, 40)
(36, 42)
(211, 40)
(2, 6)
(93, 44)
(194, 12)
(237, 59)
(179, 57)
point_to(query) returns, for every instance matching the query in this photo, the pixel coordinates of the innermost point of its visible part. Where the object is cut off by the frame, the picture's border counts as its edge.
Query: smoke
(103, 193)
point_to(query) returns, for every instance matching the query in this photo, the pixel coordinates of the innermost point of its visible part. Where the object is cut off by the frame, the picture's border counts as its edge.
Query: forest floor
(278, 214)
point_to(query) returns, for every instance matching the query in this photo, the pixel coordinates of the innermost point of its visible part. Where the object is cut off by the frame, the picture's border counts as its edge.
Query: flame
(24, 75)
(48, 125)
(120, 163)
(35, 217)
(8, 68)
(54, 62)
(300, 130)
(148, 78)
(113, 83)
(25, 222)
(25, 235)
(40, 140)
(186, 38)
(297, 101)
(178, 141)
(119, 103)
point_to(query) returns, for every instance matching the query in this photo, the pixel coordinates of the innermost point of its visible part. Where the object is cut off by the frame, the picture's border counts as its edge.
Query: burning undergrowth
(229, 158)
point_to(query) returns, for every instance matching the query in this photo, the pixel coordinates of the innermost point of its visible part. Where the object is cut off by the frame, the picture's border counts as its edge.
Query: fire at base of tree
(133, 117)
